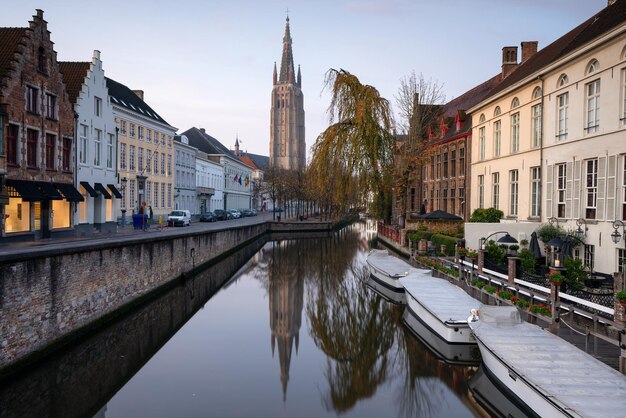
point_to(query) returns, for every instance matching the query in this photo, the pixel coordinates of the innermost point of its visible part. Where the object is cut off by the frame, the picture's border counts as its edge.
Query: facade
(96, 150)
(145, 153)
(563, 153)
(259, 163)
(237, 180)
(38, 144)
(287, 141)
(185, 196)
(209, 183)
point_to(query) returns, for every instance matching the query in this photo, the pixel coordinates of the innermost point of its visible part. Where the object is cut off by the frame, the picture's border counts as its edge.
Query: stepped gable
(9, 47)
(73, 76)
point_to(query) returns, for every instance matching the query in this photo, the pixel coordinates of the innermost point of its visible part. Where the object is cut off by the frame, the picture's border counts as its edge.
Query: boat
(384, 292)
(441, 307)
(453, 354)
(387, 269)
(547, 374)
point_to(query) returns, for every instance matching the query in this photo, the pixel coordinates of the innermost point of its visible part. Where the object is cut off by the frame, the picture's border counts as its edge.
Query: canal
(280, 329)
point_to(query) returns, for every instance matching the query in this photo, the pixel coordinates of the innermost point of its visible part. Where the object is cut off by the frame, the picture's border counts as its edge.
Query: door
(45, 219)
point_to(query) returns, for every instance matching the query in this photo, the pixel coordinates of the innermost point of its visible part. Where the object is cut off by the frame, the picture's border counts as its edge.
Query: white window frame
(561, 184)
(97, 148)
(481, 143)
(497, 138)
(84, 144)
(591, 188)
(513, 192)
(515, 132)
(592, 104)
(495, 196)
(535, 197)
(481, 191)
(536, 125)
(110, 151)
(97, 106)
(562, 105)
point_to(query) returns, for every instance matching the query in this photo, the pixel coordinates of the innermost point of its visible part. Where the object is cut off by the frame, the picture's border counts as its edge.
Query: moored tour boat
(387, 270)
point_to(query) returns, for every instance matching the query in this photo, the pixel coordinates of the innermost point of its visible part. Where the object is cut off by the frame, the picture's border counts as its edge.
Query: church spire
(299, 79)
(275, 78)
(286, 63)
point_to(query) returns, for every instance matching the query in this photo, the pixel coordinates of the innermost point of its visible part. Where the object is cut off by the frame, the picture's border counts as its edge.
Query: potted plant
(462, 251)
(472, 253)
(621, 297)
(556, 278)
(524, 243)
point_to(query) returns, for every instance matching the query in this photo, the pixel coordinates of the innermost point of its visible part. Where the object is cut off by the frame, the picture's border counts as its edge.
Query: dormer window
(41, 60)
(563, 80)
(515, 103)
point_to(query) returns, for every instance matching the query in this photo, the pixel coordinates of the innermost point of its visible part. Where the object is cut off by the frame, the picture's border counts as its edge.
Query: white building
(96, 159)
(185, 175)
(209, 183)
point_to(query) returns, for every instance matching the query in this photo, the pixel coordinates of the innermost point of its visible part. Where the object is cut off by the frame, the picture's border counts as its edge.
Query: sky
(209, 63)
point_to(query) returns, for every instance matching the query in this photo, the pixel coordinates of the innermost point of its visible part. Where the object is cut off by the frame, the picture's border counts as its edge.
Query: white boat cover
(559, 370)
(447, 302)
(390, 265)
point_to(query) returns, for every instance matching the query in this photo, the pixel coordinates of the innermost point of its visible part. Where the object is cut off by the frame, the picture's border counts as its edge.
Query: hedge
(448, 241)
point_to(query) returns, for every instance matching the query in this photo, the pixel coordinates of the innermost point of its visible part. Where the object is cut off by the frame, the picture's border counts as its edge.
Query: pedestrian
(161, 222)
(150, 212)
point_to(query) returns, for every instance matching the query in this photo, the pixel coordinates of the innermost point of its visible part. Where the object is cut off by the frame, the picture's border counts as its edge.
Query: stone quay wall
(51, 296)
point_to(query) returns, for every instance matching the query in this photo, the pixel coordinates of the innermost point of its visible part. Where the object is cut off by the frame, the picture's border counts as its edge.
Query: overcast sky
(209, 63)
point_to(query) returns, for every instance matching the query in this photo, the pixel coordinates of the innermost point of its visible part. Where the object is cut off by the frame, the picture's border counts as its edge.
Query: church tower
(287, 143)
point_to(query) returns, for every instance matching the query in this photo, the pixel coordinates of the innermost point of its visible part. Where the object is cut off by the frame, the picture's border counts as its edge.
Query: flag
(240, 179)
(247, 181)
(235, 179)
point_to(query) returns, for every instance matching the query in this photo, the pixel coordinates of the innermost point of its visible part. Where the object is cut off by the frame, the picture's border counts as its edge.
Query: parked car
(245, 212)
(208, 217)
(222, 215)
(179, 218)
(253, 212)
(236, 214)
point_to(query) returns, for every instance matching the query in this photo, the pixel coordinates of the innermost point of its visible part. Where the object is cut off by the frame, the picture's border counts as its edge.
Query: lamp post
(580, 233)
(123, 183)
(616, 236)
(507, 239)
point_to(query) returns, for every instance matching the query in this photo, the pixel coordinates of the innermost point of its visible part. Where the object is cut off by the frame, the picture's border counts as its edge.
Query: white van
(179, 218)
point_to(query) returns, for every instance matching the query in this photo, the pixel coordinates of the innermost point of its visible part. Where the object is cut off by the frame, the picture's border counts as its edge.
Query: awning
(103, 190)
(69, 192)
(49, 190)
(28, 190)
(114, 190)
(89, 189)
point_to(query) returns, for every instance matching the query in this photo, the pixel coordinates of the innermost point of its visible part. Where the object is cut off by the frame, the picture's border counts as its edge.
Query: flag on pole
(240, 179)
(235, 179)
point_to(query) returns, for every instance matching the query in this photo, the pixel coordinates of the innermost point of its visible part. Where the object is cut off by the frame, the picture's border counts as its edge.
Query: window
(537, 93)
(67, 154)
(148, 191)
(497, 138)
(163, 195)
(163, 139)
(82, 157)
(561, 176)
(51, 106)
(562, 103)
(482, 118)
(445, 164)
(132, 129)
(123, 127)
(32, 138)
(593, 106)
(515, 132)
(169, 165)
(50, 143)
(169, 141)
(563, 80)
(123, 156)
(513, 191)
(593, 66)
(453, 163)
(148, 161)
(12, 134)
(445, 200)
(515, 103)
(481, 191)
(140, 132)
(481, 144)
(621, 259)
(169, 195)
(148, 135)
(432, 167)
(110, 151)
(97, 106)
(97, 148)
(156, 162)
(591, 188)
(156, 194)
(536, 125)
(624, 187)
(462, 199)
(497, 111)
(623, 118)
(41, 60)
(495, 196)
(131, 186)
(140, 159)
(32, 100)
(452, 199)
(462, 161)
(589, 256)
(535, 197)
(438, 166)
(131, 157)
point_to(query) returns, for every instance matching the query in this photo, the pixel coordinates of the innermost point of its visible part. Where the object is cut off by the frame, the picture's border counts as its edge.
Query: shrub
(514, 247)
(505, 295)
(548, 231)
(621, 295)
(495, 253)
(448, 241)
(524, 242)
(523, 303)
(527, 260)
(490, 289)
(540, 309)
(490, 215)
(575, 273)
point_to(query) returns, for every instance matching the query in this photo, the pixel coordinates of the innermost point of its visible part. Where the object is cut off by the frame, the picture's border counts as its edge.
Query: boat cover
(447, 302)
(579, 383)
(390, 265)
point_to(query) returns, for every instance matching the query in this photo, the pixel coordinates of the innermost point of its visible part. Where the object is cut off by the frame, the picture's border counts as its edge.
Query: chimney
(509, 60)
(529, 48)
(96, 54)
(203, 130)
(139, 93)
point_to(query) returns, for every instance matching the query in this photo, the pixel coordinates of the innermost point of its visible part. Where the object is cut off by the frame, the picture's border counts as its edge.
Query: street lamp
(616, 236)
(507, 239)
(123, 183)
(580, 233)
(553, 220)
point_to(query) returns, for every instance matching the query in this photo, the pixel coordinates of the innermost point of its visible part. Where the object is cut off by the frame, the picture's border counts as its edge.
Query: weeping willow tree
(352, 158)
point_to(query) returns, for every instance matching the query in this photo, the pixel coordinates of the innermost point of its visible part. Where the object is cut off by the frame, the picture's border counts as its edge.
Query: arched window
(482, 118)
(563, 80)
(497, 111)
(537, 93)
(623, 54)
(41, 60)
(515, 103)
(593, 66)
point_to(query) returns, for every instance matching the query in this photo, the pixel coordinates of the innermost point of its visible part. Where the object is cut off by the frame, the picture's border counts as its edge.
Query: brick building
(37, 136)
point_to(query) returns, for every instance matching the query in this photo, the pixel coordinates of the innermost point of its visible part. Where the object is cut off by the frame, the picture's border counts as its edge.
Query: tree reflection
(355, 329)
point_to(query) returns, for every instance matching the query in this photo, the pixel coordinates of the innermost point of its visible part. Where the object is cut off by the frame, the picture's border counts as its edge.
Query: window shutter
(568, 189)
(601, 202)
(549, 175)
(577, 186)
(611, 188)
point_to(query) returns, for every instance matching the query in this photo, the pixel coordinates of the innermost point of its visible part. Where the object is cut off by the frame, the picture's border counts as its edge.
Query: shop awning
(49, 190)
(103, 190)
(69, 192)
(114, 190)
(28, 190)
(89, 189)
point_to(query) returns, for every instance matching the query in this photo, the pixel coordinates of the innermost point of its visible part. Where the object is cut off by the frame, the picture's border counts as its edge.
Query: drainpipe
(75, 164)
(541, 167)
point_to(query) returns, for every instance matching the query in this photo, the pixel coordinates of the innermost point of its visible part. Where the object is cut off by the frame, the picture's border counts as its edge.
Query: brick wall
(48, 296)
